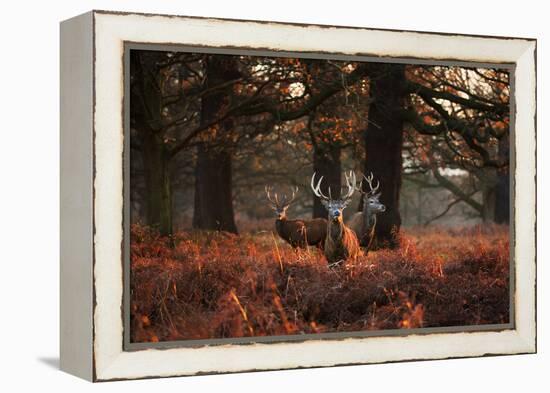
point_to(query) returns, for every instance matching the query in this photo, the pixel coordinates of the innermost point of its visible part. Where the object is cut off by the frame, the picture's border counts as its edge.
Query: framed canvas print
(244, 195)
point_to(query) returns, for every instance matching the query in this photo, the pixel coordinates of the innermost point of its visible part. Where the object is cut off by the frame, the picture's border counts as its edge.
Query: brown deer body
(364, 227)
(302, 233)
(316, 232)
(341, 242)
(363, 223)
(297, 233)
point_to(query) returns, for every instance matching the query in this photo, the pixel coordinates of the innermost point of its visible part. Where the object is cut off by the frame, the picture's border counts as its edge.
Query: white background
(29, 205)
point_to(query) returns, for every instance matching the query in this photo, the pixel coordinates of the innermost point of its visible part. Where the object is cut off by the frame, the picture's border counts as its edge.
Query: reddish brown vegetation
(213, 285)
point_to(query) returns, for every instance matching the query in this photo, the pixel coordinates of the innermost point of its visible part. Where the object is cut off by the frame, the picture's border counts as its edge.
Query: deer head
(335, 206)
(371, 197)
(280, 206)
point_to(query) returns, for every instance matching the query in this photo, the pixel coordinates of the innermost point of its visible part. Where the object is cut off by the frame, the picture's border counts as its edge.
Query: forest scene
(275, 196)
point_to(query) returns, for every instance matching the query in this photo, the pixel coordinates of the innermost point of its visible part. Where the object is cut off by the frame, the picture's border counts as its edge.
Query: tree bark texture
(502, 191)
(213, 178)
(156, 162)
(383, 140)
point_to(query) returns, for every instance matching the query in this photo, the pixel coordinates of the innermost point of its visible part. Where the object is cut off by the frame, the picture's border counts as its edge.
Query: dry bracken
(216, 285)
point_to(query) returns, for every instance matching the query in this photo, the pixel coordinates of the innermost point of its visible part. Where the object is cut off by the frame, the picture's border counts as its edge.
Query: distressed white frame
(111, 30)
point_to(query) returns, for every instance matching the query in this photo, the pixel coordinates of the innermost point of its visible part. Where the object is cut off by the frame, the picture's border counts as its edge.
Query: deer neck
(335, 229)
(280, 225)
(369, 218)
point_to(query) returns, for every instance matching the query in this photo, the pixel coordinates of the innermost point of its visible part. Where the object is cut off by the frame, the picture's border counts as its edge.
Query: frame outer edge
(76, 193)
(115, 364)
(526, 198)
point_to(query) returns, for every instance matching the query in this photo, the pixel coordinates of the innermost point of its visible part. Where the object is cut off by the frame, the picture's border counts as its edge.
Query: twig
(278, 253)
(242, 310)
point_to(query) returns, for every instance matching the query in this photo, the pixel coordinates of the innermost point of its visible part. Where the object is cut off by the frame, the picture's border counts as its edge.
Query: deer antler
(294, 192)
(268, 190)
(286, 202)
(369, 180)
(350, 183)
(317, 189)
(276, 201)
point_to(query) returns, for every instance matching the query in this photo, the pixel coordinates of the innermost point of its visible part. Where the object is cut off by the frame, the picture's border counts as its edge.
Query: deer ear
(324, 203)
(345, 203)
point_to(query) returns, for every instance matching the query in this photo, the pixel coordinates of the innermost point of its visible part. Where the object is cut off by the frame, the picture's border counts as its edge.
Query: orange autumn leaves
(217, 285)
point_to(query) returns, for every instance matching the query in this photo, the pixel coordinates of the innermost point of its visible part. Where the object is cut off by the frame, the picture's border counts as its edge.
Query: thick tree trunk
(213, 185)
(213, 196)
(383, 144)
(326, 163)
(145, 109)
(158, 185)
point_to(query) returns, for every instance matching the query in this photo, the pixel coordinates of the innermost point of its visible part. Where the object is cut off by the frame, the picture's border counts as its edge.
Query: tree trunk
(157, 178)
(502, 191)
(419, 219)
(502, 198)
(488, 200)
(213, 194)
(383, 144)
(326, 163)
(213, 185)
(145, 107)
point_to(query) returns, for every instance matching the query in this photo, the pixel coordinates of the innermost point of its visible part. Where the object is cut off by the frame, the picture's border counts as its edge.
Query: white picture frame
(92, 194)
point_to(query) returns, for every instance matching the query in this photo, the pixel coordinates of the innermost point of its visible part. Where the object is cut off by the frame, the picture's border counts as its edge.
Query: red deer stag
(363, 223)
(297, 233)
(341, 242)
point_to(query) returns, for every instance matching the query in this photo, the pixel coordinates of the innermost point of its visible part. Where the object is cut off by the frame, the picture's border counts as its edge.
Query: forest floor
(216, 285)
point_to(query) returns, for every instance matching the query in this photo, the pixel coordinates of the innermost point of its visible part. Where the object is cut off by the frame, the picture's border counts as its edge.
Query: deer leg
(304, 236)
